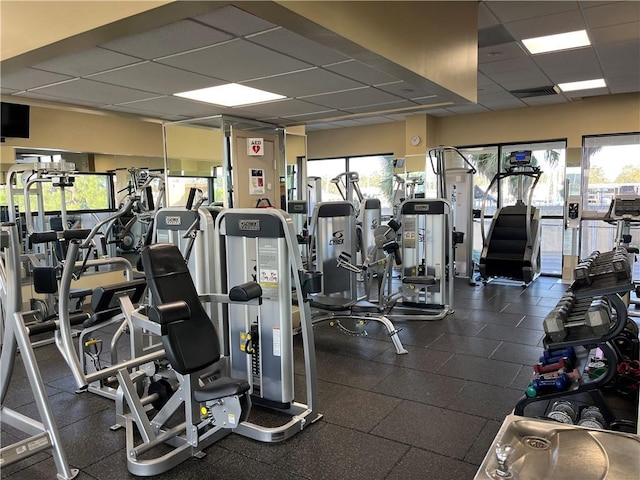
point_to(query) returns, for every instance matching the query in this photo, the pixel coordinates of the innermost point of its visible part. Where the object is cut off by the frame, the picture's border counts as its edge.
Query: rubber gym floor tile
(522, 379)
(532, 323)
(511, 334)
(455, 324)
(482, 316)
(69, 408)
(526, 309)
(353, 372)
(423, 387)
(323, 389)
(548, 302)
(479, 347)
(114, 467)
(486, 401)
(419, 464)
(236, 466)
(431, 428)
(420, 337)
(483, 441)
(333, 340)
(20, 392)
(482, 370)
(88, 441)
(417, 358)
(334, 452)
(44, 470)
(268, 452)
(517, 353)
(8, 470)
(357, 409)
(479, 304)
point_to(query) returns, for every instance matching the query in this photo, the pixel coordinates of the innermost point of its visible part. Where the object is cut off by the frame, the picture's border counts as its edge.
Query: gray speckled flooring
(431, 414)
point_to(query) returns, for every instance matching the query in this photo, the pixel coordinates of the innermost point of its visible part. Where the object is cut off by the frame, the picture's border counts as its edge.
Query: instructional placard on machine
(268, 273)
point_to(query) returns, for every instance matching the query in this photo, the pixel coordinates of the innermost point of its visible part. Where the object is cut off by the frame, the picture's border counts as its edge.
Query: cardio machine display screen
(520, 158)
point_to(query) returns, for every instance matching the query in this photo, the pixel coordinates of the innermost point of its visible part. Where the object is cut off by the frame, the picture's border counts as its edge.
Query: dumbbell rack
(609, 286)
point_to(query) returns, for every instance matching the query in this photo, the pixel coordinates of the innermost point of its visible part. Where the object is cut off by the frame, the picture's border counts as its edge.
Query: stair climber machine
(511, 249)
(454, 174)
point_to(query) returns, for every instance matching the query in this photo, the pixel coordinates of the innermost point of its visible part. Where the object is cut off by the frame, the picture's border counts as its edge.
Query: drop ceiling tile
(157, 78)
(292, 44)
(579, 62)
(170, 106)
(498, 97)
(373, 120)
(486, 18)
(534, 75)
(430, 100)
(491, 88)
(612, 13)
(168, 40)
(361, 72)
(406, 90)
(615, 33)
(548, 25)
(314, 116)
(513, 11)
(510, 65)
(87, 62)
(381, 107)
(359, 97)
(483, 80)
(594, 92)
(629, 88)
(28, 78)
(50, 98)
(319, 126)
(620, 59)
(497, 53)
(546, 100)
(7, 91)
(526, 83)
(440, 112)
(234, 20)
(464, 109)
(305, 82)
(284, 108)
(236, 61)
(88, 90)
(496, 108)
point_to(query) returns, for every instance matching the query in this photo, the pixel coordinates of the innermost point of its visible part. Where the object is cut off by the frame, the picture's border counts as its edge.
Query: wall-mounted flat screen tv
(15, 120)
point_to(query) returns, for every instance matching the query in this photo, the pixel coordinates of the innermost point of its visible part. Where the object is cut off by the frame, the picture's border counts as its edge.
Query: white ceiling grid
(138, 74)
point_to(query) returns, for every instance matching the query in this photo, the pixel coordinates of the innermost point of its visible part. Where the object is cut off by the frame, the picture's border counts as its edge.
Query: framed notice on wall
(256, 181)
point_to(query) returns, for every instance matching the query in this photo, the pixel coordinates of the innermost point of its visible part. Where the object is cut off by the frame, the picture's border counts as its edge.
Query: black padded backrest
(191, 344)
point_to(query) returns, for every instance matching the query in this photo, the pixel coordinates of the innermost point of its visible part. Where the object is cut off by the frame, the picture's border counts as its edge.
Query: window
(375, 173)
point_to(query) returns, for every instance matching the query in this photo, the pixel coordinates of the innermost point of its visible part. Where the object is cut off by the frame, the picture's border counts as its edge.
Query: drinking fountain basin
(547, 450)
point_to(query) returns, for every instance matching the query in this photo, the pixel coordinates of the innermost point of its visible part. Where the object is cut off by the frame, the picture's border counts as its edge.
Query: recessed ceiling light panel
(582, 85)
(230, 95)
(555, 43)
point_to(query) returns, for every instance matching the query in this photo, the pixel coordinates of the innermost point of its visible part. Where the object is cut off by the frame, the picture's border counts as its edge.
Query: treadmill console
(520, 158)
(625, 207)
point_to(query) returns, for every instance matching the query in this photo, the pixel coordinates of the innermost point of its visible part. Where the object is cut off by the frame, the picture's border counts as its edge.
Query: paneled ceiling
(138, 74)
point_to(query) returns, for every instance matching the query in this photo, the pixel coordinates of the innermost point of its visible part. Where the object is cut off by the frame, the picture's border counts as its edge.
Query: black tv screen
(15, 120)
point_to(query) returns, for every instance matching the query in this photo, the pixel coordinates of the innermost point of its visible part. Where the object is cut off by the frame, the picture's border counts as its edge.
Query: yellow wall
(590, 116)
(79, 130)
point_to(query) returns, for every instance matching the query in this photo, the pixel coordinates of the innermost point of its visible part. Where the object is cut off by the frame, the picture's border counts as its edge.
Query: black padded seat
(363, 306)
(220, 388)
(80, 292)
(420, 280)
(102, 316)
(332, 304)
(189, 337)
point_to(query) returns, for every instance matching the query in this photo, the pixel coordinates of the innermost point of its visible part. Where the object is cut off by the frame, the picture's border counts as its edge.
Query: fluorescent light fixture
(230, 95)
(554, 43)
(583, 85)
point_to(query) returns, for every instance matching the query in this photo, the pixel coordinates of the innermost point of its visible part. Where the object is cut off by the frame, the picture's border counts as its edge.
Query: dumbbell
(568, 352)
(554, 324)
(598, 316)
(540, 386)
(552, 367)
(573, 374)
